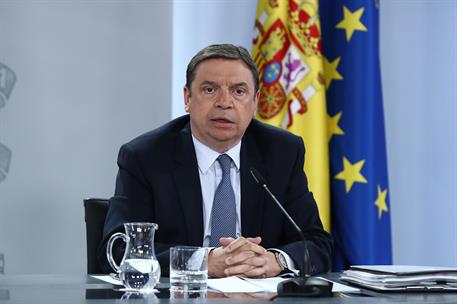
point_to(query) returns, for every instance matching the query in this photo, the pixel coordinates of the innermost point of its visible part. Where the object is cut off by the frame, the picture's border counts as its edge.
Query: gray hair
(224, 51)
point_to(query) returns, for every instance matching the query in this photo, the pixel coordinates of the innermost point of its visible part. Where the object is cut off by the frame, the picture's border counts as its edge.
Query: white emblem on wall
(7, 81)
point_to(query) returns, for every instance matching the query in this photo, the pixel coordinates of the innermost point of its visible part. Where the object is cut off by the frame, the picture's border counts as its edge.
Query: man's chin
(224, 140)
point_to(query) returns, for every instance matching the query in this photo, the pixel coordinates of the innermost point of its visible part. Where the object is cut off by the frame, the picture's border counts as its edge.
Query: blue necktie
(223, 214)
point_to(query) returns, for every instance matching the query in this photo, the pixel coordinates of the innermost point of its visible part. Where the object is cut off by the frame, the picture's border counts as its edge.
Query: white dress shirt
(210, 172)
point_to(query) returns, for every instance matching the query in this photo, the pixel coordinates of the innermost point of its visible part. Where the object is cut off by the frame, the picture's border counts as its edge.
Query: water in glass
(188, 268)
(188, 280)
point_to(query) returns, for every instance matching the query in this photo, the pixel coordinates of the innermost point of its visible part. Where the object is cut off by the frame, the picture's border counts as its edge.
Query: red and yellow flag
(287, 50)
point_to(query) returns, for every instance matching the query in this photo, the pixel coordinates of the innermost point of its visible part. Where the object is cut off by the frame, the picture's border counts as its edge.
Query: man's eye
(240, 91)
(208, 90)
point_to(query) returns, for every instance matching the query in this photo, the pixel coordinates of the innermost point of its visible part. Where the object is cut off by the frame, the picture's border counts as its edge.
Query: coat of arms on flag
(287, 50)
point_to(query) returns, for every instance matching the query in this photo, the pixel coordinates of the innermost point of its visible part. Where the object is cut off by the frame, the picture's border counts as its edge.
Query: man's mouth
(222, 120)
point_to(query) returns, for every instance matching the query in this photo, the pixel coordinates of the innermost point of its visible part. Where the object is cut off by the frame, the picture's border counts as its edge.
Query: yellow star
(333, 127)
(381, 202)
(330, 71)
(351, 173)
(351, 22)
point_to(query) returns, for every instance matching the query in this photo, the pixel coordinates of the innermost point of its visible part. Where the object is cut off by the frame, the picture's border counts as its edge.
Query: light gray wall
(419, 62)
(91, 75)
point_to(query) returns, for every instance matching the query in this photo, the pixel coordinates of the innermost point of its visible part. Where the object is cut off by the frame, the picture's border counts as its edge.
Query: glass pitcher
(139, 268)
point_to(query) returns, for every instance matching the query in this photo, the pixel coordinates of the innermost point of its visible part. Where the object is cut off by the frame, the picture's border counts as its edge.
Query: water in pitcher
(139, 269)
(140, 274)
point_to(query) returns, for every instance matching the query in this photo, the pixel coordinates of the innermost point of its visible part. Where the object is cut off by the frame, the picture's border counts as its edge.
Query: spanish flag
(288, 52)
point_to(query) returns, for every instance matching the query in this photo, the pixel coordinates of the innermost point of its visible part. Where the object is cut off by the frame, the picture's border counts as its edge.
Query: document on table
(247, 285)
(108, 279)
(233, 284)
(402, 278)
(404, 270)
(268, 284)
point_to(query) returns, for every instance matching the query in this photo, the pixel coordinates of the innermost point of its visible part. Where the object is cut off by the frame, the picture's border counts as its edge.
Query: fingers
(246, 257)
(258, 272)
(236, 244)
(257, 240)
(239, 269)
(225, 241)
(241, 256)
(243, 244)
(245, 270)
(248, 267)
(269, 268)
(258, 266)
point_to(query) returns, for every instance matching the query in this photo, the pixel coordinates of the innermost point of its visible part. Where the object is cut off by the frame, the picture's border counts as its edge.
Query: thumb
(225, 241)
(257, 240)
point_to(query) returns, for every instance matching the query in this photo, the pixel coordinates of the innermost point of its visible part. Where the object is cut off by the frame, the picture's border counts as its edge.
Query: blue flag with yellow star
(358, 167)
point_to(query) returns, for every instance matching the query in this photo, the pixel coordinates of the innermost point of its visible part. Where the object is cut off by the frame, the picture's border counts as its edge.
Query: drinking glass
(188, 268)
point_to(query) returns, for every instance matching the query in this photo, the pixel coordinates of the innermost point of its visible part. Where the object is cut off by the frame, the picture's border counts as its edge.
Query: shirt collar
(207, 156)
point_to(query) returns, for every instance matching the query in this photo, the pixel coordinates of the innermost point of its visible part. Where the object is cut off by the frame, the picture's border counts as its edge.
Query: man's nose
(225, 99)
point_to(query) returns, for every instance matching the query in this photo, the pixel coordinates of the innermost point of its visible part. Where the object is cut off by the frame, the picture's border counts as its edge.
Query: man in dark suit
(171, 175)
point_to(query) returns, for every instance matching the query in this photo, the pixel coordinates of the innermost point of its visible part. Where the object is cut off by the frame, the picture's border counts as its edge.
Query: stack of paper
(238, 284)
(402, 278)
(247, 285)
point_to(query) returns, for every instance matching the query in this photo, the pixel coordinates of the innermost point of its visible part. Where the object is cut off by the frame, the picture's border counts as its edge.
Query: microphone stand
(304, 286)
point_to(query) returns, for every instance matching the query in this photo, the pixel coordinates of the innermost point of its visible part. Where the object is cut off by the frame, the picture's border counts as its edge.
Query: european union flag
(358, 167)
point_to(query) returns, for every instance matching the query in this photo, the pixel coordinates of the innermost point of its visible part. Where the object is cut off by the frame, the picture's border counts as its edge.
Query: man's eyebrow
(234, 85)
(240, 84)
(206, 82)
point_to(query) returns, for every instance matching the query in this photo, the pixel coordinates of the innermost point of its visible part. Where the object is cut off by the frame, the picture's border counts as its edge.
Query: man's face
(222, 104)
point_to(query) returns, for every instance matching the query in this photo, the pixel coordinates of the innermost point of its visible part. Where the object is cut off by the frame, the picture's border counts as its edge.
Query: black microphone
(304, 286)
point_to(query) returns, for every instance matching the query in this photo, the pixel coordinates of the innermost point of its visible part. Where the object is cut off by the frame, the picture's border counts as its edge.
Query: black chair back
(95, 210)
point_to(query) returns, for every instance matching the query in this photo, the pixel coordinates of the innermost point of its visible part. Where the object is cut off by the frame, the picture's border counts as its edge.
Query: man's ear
(256, 102)
(186, 92)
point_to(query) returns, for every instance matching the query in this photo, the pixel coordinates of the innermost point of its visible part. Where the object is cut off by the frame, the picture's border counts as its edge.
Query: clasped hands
(242, 257)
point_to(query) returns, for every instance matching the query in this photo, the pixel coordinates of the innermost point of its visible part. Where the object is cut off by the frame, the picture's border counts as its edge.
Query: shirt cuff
(291, 267)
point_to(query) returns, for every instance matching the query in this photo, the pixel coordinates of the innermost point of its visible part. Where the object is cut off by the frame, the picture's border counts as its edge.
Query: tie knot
(225, 162)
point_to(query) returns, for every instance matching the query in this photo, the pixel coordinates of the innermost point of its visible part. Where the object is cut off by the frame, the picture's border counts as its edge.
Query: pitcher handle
(109, 250)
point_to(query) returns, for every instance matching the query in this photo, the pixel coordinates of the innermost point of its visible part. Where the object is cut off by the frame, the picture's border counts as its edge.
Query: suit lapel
(188, 186)
(252, 198)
